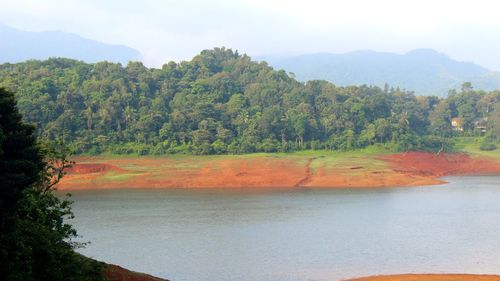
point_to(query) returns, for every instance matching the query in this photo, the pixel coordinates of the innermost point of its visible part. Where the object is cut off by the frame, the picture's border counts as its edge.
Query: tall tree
(20, 161)
(35, 240)
(440, 120)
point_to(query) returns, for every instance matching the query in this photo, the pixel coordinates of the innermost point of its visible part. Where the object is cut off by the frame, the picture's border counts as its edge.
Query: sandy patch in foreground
(431, 277)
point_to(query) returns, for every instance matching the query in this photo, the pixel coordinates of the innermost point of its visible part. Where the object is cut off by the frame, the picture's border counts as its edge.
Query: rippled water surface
(287, 235)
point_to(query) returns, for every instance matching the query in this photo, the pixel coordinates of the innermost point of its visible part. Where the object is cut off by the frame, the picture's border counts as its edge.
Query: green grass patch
(120, 177)
(365, 158)
(471, 146)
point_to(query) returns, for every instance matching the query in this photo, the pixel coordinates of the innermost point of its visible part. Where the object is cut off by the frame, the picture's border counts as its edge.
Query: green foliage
(436, 143)
(440, 120)
(494, 124)
(488, 146)
(39, 245)
(35, 240)
(223, 102)
(20, 158)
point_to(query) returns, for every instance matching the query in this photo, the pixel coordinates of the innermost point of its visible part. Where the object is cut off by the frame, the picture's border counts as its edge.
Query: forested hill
(424, 71)
(223, 102)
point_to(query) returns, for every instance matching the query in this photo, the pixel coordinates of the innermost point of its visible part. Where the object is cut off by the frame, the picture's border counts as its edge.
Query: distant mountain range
(425, 71)
(19, 45)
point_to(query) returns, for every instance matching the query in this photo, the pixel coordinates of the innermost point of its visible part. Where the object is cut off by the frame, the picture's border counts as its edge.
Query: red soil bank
(164, 173)
(404, 169)
(92, 168)
(117, 273)
(432, 165)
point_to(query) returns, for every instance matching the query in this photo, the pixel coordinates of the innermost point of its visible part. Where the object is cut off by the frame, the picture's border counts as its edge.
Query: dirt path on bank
(272, 171)
(307, 178)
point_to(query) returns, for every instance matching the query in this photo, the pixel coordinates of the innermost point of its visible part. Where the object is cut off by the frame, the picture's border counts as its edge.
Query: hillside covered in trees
(223, 102)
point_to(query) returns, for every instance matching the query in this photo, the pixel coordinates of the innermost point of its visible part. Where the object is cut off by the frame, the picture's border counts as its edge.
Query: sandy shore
(431, 277)
(268, 171)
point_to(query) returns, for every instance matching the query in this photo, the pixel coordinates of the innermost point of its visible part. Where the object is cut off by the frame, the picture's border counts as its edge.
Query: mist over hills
(424, 71)
(19, 45)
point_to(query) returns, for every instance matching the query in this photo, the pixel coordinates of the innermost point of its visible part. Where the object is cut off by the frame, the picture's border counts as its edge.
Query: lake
(295, 235)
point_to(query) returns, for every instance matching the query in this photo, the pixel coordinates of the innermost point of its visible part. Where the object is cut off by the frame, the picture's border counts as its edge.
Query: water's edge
(301, 234)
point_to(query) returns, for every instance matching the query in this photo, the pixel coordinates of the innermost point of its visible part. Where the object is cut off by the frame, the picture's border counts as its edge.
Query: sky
(178, 30)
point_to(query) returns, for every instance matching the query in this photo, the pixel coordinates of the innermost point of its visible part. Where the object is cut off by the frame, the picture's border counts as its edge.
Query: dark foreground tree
(20, 158)
(35, 241)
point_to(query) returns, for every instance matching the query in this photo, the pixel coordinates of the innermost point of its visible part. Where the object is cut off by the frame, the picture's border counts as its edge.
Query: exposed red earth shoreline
(430, 277)
(117, 273)
(396, 170)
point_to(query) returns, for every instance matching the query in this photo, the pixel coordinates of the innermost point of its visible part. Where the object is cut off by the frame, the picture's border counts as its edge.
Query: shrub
(219, 147)
(435, 144)
(487, 146)
(268, 145)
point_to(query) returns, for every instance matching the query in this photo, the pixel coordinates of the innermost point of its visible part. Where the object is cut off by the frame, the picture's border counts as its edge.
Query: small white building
(481, 124)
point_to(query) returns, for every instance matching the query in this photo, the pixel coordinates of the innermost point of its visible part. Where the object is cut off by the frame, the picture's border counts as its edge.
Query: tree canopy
(20, 158)
(35, 239)
(223, 102)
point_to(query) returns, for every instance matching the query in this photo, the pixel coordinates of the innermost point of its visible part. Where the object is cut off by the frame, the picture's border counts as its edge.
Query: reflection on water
(227, 235)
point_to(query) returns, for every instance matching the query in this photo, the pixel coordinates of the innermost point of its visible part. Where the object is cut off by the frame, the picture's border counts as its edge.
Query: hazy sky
(175, 30)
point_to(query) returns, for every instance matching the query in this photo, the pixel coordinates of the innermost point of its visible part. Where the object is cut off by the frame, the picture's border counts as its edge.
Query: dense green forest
(36, 242)
(223, 102)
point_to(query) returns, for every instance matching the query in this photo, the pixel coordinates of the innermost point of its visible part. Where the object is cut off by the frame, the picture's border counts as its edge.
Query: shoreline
(273, 171)
(430, 277)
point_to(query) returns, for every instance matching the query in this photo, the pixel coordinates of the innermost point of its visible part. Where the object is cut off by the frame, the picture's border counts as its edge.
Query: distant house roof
(481, 123)
(456, 122)
(482, 120)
